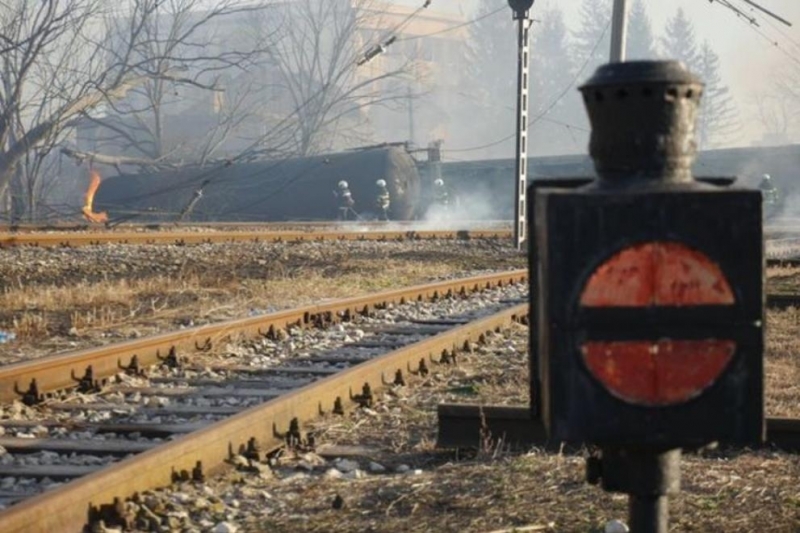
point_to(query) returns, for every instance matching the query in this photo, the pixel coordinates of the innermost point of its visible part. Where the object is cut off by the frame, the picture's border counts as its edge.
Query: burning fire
(89, 200)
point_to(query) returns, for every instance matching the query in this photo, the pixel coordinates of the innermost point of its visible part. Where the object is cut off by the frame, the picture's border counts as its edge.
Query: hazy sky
(748, 59)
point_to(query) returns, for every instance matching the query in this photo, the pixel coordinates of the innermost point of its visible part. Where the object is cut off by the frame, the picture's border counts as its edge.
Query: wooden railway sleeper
(87, 383)
(31, 396)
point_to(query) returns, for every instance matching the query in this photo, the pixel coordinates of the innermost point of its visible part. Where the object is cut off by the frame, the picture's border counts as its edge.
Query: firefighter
(346, 201)
(768, 190)
(440, 196)
(383, 200)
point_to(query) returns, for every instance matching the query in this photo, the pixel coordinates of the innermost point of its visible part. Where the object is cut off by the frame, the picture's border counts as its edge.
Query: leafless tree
(64, 59)
(327, 55)
(777, 114)
(200, 58)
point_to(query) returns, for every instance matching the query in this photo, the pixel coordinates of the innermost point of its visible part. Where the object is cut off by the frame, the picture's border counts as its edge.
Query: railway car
(290, 189)
(489, 184)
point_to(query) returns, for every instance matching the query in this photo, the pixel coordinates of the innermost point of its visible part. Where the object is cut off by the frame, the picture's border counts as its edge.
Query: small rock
(415, 472)
(355, 474)
(402, 469)
(616, 526)
(224, 527)
(376, 468)
(313, 459)
(305, 465)
(295, 477)
(332, 473)
(346, 465)
(263, 471)
(239, 460)
(73, 332)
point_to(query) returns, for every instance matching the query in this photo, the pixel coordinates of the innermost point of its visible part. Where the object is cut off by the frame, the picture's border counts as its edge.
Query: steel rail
(69, 507)
(288, 224)
(195, 237)
(62, 371)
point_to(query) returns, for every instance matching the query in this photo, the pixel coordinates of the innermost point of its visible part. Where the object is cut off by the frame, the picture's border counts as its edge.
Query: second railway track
(338, 233)
(187, 419)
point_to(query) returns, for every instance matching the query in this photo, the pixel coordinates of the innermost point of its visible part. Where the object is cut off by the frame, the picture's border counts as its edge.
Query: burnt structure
(648, 334)
(289, 189)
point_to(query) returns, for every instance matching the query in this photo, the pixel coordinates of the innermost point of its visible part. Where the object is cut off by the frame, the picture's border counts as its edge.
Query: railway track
(779, 250)
(143, 236)
(232, 399)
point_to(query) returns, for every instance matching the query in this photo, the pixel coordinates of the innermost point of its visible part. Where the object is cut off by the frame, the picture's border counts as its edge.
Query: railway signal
(650, 293)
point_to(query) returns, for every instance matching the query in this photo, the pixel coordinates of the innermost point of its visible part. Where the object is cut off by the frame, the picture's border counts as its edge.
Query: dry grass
(781, 361)
(783, 280)
(92, 310)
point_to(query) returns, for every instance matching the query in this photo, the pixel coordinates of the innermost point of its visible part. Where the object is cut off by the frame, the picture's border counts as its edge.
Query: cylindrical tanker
(289, 189)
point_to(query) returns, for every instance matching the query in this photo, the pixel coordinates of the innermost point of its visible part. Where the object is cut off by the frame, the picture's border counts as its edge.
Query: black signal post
(649, 311)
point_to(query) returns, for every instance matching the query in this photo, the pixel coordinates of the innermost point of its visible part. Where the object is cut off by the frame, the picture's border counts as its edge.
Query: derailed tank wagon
(291, 189)
(494, 180)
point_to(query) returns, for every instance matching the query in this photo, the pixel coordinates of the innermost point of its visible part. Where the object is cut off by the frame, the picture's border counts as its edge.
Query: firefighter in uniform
(768, 190)
(440, 196)
(346, 201)
(383, 200)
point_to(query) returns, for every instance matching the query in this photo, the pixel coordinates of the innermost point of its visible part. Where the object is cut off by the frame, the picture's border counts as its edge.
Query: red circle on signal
(659, 371)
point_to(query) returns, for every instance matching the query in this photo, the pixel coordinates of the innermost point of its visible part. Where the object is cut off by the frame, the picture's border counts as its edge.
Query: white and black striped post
(521, 15)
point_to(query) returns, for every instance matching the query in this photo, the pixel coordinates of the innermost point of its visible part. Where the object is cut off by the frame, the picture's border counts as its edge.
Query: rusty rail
(275, 226)
(69, 507)
(198, 237)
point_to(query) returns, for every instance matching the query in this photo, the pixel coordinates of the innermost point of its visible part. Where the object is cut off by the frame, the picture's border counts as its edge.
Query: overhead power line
(457, 26)
(768, 12)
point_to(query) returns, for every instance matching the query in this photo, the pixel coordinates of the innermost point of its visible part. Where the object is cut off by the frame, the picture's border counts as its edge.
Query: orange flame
(88, 214)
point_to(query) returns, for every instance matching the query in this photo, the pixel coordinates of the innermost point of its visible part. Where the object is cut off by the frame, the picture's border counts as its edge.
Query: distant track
(143, 236)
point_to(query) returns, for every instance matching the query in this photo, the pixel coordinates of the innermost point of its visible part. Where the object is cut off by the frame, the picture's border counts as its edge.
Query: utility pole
(520, 8)
(619, 31)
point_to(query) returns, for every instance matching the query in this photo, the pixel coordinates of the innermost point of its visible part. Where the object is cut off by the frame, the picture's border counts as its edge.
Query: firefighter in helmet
(346, 201)
(440, 195)
(383, 200)
(768, 190)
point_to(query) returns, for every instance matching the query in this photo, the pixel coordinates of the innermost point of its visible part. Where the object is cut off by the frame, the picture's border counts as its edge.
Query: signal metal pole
(523, 70)
(619, 33)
